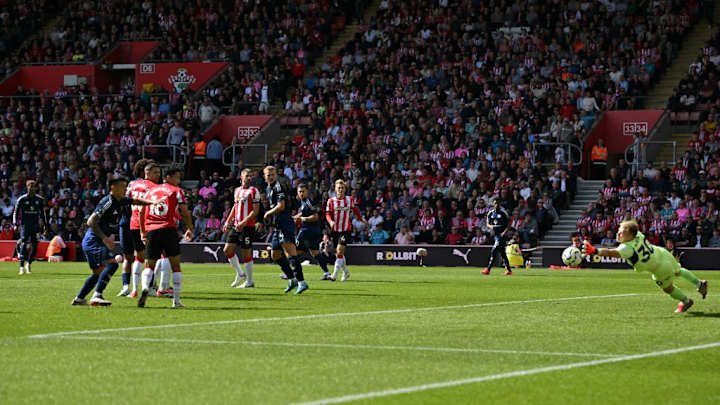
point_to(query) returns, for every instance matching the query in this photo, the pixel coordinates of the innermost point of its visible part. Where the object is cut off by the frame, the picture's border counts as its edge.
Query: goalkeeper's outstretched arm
(589, 249)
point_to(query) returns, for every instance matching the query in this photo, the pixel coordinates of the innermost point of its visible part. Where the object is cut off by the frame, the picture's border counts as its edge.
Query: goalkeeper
(644, 256)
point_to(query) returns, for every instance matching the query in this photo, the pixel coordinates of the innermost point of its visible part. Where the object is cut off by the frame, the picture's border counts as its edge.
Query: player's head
(173, 176)
(669, 243)
(340, 188)
(118, 186)
(302, 191)
(627, 231)
(139, 168)
(152, 171)
(31, 186)
(245, 177)
(496, 203)
(270, 174)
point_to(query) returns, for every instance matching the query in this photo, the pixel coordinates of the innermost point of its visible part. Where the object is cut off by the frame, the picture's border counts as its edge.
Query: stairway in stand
(559, 235)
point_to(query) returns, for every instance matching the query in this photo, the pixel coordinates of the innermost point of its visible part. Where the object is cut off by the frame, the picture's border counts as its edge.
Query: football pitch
(387, 335)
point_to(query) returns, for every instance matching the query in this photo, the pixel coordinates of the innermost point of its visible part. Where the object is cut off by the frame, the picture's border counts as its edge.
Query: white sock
(249, 271)
(165, 274)
(157, 271)
(177, 284)
(137, 268)
(147, 276)
(235, 262)
(338, 266)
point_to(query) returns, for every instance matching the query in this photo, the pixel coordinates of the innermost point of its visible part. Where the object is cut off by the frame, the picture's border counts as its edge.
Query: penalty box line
(334, 346)
(520, 373)
(329, 315)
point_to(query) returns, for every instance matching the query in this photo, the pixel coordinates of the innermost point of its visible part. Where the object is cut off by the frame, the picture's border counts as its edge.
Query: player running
(162, 234)
(98, 242)
(240, 229)
(147, 174)
(338, 214)
(497, 220)
(283, 236)
(308, 238)
(644, 256)
(26, 217)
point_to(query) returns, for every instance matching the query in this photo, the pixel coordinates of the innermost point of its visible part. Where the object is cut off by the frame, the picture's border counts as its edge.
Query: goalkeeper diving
(644, 256)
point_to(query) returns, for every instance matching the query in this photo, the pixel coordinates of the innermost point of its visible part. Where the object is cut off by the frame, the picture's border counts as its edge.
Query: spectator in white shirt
(404, 237)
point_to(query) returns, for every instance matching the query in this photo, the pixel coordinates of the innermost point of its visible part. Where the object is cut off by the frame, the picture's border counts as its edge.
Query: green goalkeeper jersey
(644, 256)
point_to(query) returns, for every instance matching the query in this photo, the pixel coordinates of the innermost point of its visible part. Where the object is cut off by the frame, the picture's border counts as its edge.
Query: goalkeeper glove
(587, 248)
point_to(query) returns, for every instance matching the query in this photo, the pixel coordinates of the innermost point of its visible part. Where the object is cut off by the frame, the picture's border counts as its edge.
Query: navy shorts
(96, 253)
(29, 233)
(126, 241)
(308, 239)
(283, 233)
(500, 242)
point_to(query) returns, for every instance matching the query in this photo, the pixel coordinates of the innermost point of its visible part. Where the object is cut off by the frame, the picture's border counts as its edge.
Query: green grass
(262, 362)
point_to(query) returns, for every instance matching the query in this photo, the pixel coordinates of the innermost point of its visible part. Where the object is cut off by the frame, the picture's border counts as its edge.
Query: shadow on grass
(704, 314)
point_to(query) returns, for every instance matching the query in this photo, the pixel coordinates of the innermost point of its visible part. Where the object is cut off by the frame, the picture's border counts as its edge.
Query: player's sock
(166, 269)
(689, 276)
(285, 267)
(177, 284)
(105, 276)
(235, 262)
(344, 264)
(322, 262)
(297, 268)
(679, 295)
(137, 268)
(249, 269)
(31, 252)
(126, 279)
(90, 283)
(147, 276)
(338, 265)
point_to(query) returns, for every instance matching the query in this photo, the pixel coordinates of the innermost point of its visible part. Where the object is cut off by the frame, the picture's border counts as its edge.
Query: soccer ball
(119, 258)
(572, 257)
(421, 252)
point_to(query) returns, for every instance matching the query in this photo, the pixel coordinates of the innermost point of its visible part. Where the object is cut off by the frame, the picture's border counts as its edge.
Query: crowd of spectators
(18, 21)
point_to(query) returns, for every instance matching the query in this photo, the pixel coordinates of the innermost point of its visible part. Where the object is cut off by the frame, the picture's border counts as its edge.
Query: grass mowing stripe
(330, 315)
(520, 373)
(334, 346)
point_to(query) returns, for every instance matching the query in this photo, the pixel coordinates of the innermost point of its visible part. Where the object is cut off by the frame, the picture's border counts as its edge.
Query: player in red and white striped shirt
(338, 213)
(138, 188)
(240, 229)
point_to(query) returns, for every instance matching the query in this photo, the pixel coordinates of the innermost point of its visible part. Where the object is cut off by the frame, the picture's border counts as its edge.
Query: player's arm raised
(589, 249)
(187, 220)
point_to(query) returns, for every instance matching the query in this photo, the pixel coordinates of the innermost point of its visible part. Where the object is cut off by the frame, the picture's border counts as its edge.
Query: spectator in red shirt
(454, 237)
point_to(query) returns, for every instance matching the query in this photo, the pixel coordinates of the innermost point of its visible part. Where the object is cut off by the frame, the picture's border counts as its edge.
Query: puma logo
(464, 256)
(214, 253)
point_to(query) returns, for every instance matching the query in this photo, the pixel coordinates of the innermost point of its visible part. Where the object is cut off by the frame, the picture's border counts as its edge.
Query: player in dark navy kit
(283, 236)
(98, 243)
(310, 233)
(498, 220)
(29, 209)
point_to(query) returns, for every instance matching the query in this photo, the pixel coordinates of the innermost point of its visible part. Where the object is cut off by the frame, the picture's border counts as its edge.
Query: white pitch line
(520, 373)
(330, 315)
(335, 346)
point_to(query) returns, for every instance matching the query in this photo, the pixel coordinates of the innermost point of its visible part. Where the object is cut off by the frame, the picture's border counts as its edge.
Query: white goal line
(334, 346)
(520, 373)
(329, 315)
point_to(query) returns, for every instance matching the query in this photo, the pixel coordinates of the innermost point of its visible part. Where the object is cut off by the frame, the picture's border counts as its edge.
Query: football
(421, 252)
(572, 257)
(119, 258)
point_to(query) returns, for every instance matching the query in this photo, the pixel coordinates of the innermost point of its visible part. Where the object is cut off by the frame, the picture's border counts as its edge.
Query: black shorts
(244, 238)
(137, 241)
(341, 238)
(162, 240)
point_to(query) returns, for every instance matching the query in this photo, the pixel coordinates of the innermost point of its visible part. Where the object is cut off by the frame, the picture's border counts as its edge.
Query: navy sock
(105, 276)
(88, 286)
(31, 252)
(21, 252)
(126, 278)
(322, 262)
(285, 267)
(297, 268)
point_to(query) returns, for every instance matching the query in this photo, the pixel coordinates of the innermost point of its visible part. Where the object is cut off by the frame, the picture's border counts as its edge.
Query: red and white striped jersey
(607, 191)
(639, 211)
(516, 223)
(657, 225)
(599, 225)
(644, 200)
(341, 212)
(479, 240)
(245, 198)
(675, 224)
(472, 223)
(138, 189)
(427, 223)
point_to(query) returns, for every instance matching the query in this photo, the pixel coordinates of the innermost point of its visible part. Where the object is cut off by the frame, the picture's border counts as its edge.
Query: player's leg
(174, 259)
(296, 264)
(163, 268)
(279, 258)
(94, 256)
(110, 267)
(688, 276)
(665, 278)
(493, 251)
(503, 255)
(152, 255)
(246, 240)
(128, 250)
(31, 250)
(21, 248)
(233, 238)
(322, 262)
(137, 265)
